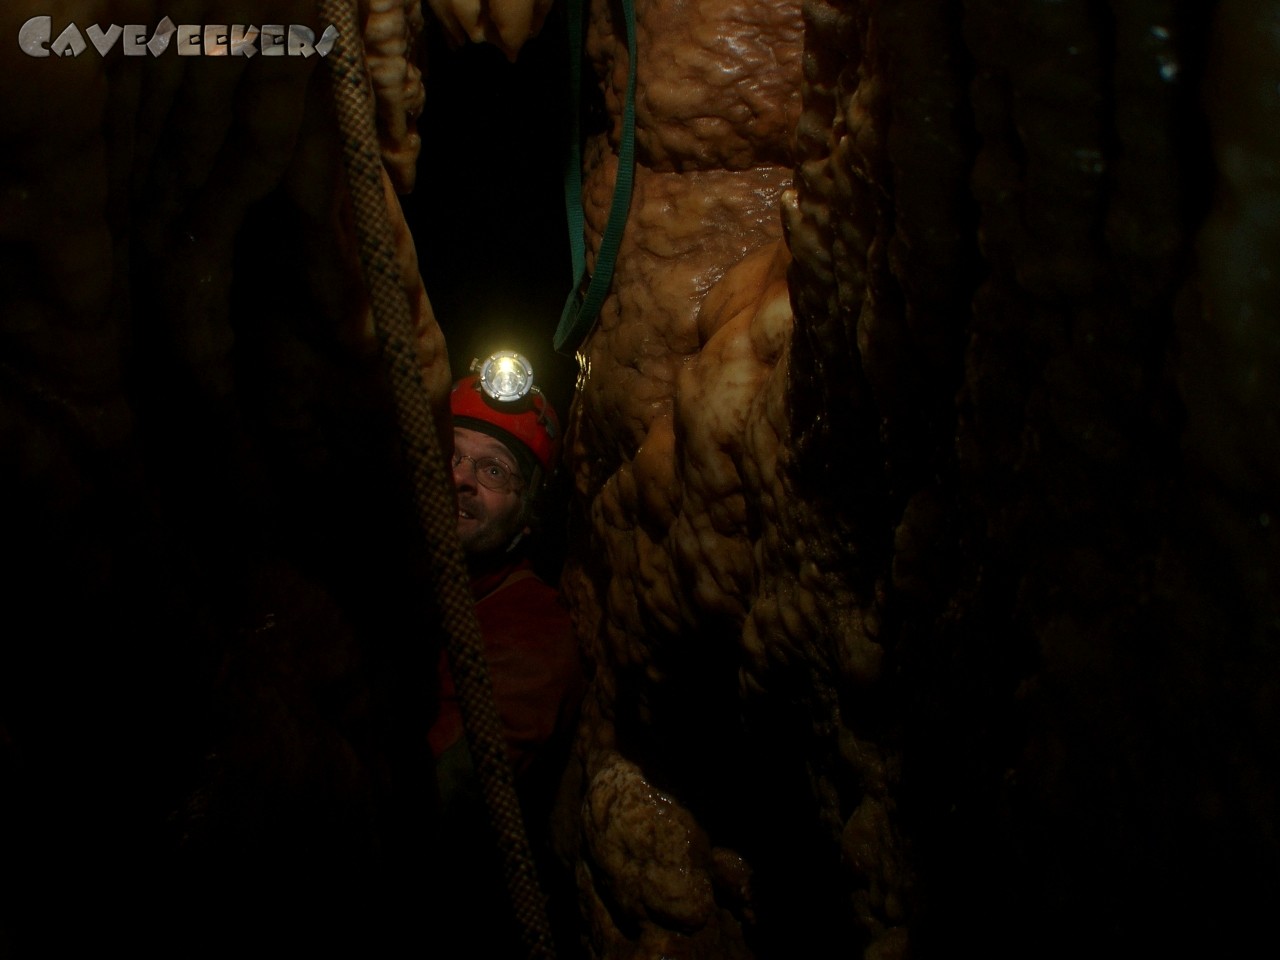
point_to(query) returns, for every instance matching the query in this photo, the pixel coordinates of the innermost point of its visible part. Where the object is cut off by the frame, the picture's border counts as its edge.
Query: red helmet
(528, 424)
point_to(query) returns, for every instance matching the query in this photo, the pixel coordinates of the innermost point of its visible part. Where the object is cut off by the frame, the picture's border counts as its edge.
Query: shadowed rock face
(205, 681)
(924, 468)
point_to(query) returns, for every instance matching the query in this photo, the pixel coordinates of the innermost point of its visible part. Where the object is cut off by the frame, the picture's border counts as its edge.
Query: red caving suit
(537, 687)
(533, 666)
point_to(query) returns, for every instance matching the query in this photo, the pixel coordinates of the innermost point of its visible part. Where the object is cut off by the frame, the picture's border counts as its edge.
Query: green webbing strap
(573, 163)
(580, 310)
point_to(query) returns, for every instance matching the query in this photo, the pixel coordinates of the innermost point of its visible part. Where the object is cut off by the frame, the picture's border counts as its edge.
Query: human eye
(495, 469)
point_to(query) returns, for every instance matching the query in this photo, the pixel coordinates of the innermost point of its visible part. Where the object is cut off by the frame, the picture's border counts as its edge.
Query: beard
(482, 531)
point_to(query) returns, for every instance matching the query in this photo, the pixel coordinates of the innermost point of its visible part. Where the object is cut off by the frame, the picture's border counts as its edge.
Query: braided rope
(433, 490)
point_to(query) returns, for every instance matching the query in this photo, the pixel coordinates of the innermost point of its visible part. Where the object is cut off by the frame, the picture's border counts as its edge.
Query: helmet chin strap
(526, 507)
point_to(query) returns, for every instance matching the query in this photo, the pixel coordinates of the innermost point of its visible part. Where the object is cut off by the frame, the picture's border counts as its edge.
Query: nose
(464, 473)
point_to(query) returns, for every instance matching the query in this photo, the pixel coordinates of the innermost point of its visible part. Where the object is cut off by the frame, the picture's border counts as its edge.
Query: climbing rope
(433, 489)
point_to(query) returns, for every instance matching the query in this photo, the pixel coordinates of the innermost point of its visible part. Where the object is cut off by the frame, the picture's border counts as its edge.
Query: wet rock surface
(897, 529)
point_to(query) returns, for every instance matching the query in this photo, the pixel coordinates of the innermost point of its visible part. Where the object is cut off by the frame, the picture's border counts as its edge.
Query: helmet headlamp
(501, 399)
(505, 376)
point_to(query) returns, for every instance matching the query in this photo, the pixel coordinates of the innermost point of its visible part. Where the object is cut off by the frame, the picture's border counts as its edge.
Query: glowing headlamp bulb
(506, 376)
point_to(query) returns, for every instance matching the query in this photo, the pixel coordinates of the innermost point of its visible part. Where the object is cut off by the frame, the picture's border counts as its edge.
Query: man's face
(488, 519)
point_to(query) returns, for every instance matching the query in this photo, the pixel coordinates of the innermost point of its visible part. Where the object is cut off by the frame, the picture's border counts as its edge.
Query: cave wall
(215, 671)
(924, 480)
(927, 569)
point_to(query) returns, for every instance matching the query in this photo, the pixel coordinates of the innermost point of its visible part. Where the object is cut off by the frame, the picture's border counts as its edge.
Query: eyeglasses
(491, 472)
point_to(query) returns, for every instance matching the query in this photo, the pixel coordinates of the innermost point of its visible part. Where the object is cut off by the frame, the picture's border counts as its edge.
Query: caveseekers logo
(190, 40)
